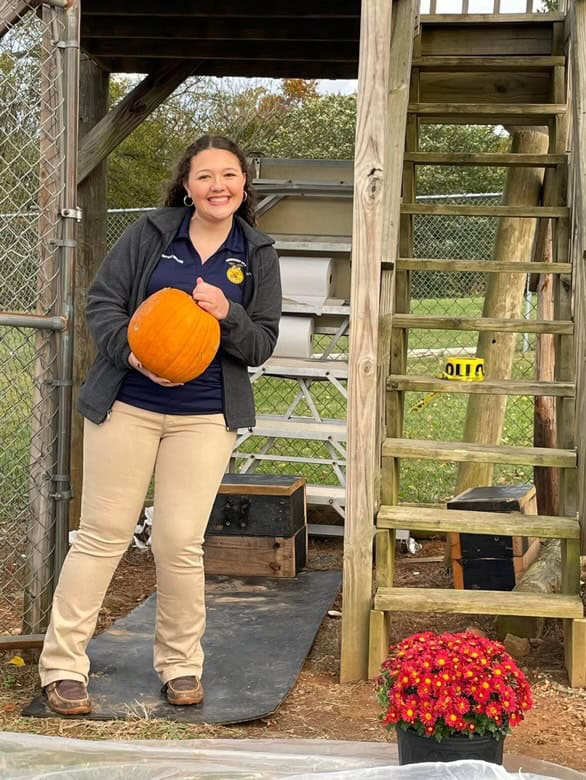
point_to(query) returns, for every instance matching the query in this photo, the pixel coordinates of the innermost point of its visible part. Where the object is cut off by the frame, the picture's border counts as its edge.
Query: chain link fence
(33, 151)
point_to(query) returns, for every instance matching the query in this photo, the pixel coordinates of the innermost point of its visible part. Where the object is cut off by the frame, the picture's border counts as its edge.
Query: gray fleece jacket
(248, 334)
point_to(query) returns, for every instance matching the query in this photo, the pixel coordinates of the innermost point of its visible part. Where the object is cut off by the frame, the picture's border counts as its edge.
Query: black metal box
(258, 505)
(486, 562)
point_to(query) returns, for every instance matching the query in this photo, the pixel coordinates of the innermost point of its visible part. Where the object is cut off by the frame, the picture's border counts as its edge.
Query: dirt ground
(318, 705)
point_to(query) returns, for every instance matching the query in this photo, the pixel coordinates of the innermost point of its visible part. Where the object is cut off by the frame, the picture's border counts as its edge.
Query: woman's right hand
(138, 366)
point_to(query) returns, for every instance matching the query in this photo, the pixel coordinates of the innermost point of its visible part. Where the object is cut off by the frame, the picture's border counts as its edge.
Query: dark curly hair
(176, 191)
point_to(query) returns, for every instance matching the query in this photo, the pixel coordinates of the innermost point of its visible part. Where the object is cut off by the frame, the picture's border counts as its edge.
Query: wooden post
(367, 254)
(577, 23)
(504, 296)
(91, 250)
(41, 532)
(547, 480)
(385, 65)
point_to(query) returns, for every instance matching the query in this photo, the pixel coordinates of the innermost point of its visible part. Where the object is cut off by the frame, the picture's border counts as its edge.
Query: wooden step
(480, 266)
(488, 20)
(488, 63)
(299, 428)
(469, 521)
(494, 159)
(489, 113)
(479, 602)
(455, 210)
(466, 452)
(483, 324)
(426, 384)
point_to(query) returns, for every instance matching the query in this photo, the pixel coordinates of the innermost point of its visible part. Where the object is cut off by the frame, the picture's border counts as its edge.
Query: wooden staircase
(514, 69)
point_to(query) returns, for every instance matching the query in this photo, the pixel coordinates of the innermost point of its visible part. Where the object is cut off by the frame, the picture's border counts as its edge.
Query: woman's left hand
(211, 299)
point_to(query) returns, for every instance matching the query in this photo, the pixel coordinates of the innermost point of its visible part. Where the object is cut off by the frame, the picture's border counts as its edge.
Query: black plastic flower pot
(415, 749)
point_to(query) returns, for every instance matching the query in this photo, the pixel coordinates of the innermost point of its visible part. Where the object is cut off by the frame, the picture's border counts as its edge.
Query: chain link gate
(39, 65)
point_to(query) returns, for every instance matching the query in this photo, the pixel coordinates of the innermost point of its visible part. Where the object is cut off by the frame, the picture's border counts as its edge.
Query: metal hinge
(75, 213)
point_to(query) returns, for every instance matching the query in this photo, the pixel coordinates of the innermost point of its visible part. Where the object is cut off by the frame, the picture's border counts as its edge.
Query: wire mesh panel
(33, 182)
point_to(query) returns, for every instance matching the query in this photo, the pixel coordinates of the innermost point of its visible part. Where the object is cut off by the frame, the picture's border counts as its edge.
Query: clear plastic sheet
(28, 756)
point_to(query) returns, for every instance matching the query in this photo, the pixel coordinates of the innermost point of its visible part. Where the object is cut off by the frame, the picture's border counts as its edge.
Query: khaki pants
(188, 455)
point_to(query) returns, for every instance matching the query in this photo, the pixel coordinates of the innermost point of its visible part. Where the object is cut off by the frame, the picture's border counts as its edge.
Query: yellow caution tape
(464, 369)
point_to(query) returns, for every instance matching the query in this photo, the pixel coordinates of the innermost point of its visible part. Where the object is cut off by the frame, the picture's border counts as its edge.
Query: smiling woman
(138, 422)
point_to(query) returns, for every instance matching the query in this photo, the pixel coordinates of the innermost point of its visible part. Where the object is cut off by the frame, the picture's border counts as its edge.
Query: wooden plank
(480, 266)
(129, 113)
(471, 521)
(465, 452)
(486, 158)
(466, 37)
(487, 387)
(378, 643)
(488, 109)
(491, 19)
(575, 651)
(482, 324)
(370, 178)
(253, 556)
(511, 64)
(267, 489)
(485, 211)
(487, 113)
(498, 87)
(12, 643)
(478, 602)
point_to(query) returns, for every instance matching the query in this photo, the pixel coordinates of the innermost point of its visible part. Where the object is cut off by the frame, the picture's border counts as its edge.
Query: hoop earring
(187, 198)
(245, 197)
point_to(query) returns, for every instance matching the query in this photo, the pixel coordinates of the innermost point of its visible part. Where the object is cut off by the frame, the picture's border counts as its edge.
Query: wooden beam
(129, 114)
(425, 384)
(465, 452)
(466, 521)
(309, 69)
(235, 50)
(492, 19)
(485, 211)
(486, 158)
(478, 602)
(485, 324)
(481, 266)
(491, 64)
(367, 252)
(267, 9)
(210, 28)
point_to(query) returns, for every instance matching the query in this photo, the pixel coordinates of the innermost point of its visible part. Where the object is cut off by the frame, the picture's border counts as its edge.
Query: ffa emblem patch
(235, 270)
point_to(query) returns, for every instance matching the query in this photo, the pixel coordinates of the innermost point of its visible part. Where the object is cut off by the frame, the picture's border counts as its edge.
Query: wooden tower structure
(523, 71)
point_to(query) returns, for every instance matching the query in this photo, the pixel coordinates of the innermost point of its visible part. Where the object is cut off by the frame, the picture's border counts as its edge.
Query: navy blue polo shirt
(179, 266)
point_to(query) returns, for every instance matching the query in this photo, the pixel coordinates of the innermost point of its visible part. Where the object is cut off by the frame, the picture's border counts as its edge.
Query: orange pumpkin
(172, 336)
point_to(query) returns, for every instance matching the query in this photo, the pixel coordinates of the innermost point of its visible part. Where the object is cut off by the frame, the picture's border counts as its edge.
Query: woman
(139, 424)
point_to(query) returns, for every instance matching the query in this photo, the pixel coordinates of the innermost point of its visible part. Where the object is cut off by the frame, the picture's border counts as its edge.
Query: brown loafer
(184, 690)
(68, 697)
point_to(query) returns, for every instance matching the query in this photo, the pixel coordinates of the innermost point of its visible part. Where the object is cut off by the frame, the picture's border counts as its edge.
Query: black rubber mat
(259, 632)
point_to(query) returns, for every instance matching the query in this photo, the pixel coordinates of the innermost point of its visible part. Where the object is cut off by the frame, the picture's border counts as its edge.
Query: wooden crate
(485, 562)
(256, 556)
(257, 526)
